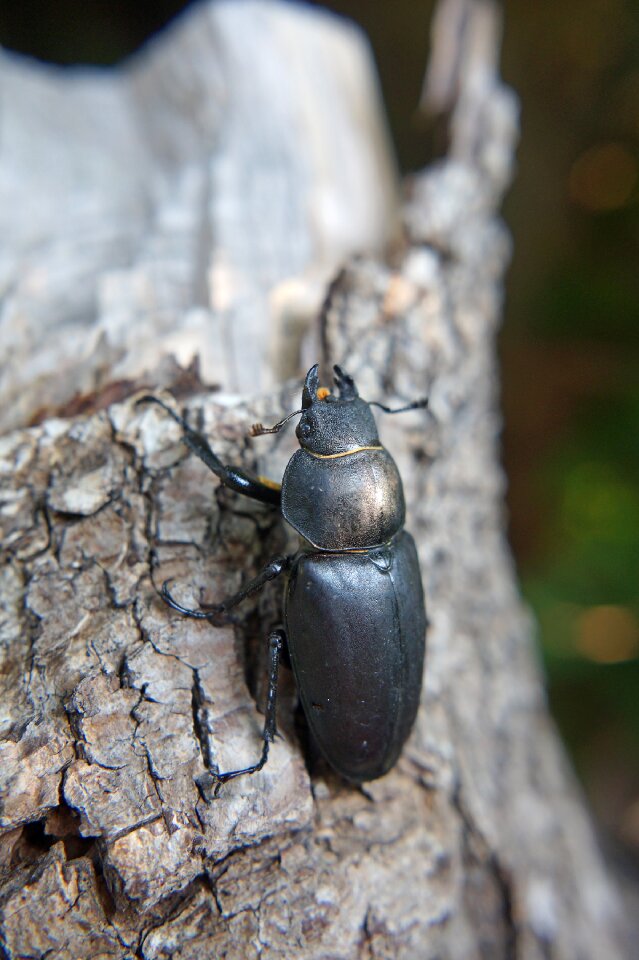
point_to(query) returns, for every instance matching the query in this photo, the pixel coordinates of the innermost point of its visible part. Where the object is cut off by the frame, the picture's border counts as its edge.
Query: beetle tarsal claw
(208, 784)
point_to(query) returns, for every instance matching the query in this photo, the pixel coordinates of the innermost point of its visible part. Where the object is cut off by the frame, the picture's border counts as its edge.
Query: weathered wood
(192, 202)
(477, 845)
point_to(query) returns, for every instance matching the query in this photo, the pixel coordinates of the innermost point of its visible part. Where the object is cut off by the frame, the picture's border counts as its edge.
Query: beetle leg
(415, 405)
(236, 478)
(198, 614)
(273, 569)
(211, 611)
(215, 780)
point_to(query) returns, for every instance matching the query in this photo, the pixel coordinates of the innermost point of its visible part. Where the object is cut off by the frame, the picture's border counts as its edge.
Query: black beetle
(354, 608)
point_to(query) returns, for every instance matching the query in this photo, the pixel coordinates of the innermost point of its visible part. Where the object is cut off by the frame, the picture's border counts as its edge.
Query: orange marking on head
(322, 393)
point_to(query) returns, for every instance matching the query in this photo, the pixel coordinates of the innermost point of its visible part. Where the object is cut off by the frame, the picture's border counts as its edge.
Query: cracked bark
(477, 844)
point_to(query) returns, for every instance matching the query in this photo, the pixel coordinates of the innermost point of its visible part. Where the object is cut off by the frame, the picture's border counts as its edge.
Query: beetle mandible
(354, 614)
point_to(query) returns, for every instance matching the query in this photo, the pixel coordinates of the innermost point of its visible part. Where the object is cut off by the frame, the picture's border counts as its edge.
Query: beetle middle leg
(212, 780)
(210, 611)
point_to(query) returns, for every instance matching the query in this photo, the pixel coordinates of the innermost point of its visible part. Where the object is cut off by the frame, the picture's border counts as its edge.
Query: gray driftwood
(195, 201)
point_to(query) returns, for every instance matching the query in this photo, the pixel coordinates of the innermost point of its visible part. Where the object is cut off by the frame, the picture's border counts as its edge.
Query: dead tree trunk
(196, 201)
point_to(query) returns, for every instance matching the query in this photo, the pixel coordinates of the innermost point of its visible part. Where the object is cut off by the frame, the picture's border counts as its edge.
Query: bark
(477, 844)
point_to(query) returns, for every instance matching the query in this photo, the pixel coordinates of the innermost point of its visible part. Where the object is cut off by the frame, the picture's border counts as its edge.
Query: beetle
(354, 615)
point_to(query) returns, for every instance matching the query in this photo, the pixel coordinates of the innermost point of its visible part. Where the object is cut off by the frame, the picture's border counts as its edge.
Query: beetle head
(332, 423)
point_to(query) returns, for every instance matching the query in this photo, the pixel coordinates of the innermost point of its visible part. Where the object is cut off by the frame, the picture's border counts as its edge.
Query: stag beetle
(354, 613)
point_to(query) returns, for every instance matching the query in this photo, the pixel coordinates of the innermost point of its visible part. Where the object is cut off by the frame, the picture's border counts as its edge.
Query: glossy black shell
(346, 502)
(356, 628)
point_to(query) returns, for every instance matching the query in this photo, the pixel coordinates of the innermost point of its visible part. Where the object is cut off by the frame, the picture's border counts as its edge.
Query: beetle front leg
(212, 780)
(212, 611)
(235, 478)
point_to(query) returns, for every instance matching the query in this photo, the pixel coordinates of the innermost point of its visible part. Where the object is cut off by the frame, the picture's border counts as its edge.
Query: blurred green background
(570, 343)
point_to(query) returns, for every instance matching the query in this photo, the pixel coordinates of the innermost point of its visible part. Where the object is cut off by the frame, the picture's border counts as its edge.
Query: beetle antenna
(257, 430)
(415, 405)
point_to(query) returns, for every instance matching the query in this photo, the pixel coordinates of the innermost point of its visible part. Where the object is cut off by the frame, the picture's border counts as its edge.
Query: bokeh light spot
(608, 634)
(603, 177)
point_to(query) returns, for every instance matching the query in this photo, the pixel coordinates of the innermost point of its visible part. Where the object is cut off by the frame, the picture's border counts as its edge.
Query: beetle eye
(305, 430)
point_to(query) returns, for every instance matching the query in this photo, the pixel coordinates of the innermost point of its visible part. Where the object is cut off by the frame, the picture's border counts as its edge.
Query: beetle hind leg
(210, 783)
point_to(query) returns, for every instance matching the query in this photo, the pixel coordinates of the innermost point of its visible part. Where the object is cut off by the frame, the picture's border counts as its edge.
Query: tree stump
(196, 201)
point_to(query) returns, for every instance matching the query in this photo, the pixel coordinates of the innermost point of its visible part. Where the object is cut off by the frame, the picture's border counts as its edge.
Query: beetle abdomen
(356, 628)
(344, 502)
